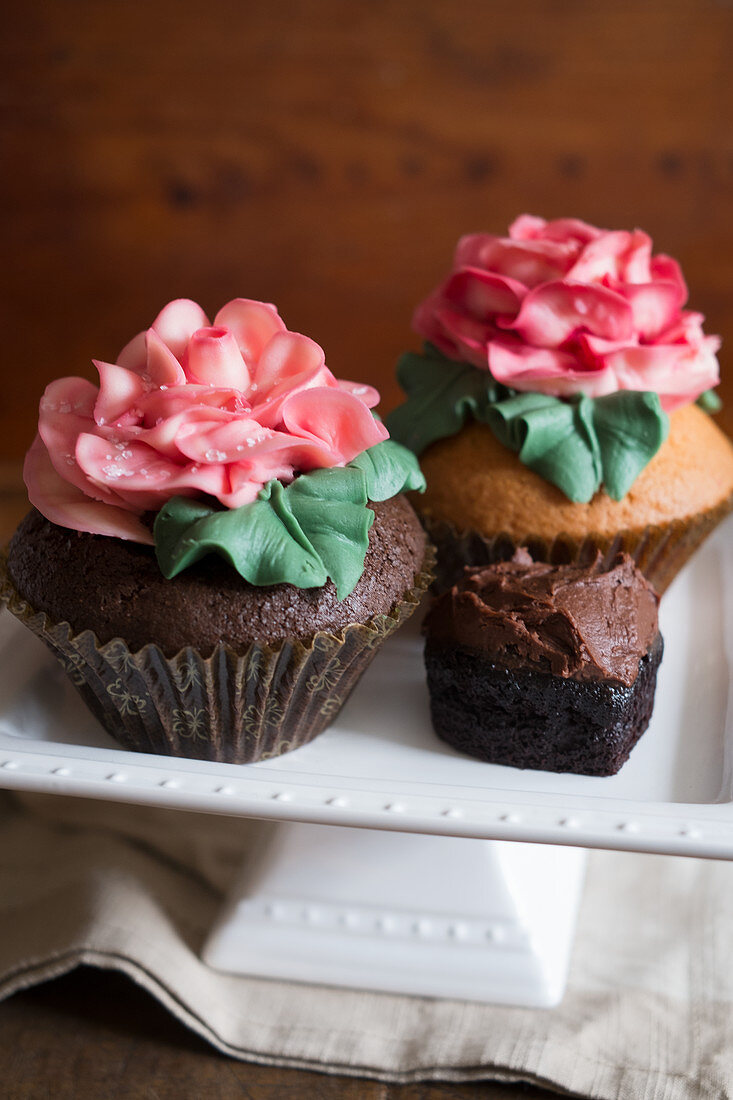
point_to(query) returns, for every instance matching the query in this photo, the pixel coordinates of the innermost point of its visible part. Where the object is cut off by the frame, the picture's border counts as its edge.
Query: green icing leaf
(315, 528)
(583, 443)
(442, 394)
(263, 542)
(389, 469)
(709, 402)
(552, 438)
(329, 507)
(578, 444)
(631, 427)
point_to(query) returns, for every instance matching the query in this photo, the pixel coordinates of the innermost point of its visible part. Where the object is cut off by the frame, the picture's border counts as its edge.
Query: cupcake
(561, 402)
(219, 542)
(541, 666)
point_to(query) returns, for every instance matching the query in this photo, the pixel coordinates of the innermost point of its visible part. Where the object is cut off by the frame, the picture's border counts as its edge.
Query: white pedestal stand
(479, 920)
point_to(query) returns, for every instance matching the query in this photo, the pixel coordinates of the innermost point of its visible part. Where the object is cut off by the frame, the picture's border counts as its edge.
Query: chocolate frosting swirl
(575, 621)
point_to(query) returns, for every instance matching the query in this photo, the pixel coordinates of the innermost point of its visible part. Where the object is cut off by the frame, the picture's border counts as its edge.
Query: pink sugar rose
(561, 308)
(193, 409)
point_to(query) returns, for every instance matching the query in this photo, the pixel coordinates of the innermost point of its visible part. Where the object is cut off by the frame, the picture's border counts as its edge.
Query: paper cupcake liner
(231, 707)
(659, 551)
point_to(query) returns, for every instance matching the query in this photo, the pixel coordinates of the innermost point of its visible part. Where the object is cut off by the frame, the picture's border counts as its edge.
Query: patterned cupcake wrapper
(658, 551)
(231, 707)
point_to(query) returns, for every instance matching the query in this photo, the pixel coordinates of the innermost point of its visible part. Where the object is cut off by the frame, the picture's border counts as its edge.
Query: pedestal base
(478, 920)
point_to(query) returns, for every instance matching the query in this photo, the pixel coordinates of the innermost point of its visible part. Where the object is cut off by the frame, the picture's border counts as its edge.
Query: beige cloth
(648, 1012)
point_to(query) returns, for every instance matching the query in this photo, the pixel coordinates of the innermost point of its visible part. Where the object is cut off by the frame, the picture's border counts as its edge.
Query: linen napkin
(648, 1011)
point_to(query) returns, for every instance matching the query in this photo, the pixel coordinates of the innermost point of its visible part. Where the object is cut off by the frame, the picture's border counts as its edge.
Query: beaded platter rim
(406, 802)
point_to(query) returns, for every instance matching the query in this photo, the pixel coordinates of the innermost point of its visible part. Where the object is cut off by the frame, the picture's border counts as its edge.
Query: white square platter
(381, 766)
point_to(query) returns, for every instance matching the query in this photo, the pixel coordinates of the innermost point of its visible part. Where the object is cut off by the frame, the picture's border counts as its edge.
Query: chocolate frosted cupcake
(548, 667)
(219, 545)
(554, 405)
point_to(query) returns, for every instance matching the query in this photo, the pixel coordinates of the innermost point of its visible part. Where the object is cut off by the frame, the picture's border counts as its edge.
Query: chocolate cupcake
(546, 667)
(219, 543)
(555, 407)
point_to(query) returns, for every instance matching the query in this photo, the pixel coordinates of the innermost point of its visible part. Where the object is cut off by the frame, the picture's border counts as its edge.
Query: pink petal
(618, 255)
(134, 355)
(214, 359)
(335, 418)
(563, 229)
(425, 323)
(66, 409)
(176, 324)
(269, 411)
(471, 248)
(68, 401)
(161, 366)
(529, 262)
(483, 294)
(678, 373)
(160, 404)
(365, 393)
(280, 456)
(546, 371)
(120, 391)
(637, 259)
(687, 329)
(552, 313)
(666, 270)
(65, 504)
(600, 258)
(526, 227)
(227, 441)
(253, 325)
(244, 489)
(654, 306)
(287, 354)
(593, 349)
(148, 356)
(457, 335)
(163, 437)
(142, 477)
(194, 479)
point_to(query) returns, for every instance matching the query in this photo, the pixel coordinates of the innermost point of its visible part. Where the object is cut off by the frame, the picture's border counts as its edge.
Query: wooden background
(326, 154)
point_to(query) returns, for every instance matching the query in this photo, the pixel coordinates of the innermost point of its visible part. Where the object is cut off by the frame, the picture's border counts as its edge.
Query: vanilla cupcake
(219, 543)
(557, 403)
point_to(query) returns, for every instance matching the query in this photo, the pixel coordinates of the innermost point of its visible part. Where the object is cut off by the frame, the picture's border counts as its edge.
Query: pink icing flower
(561, 308)
(193, 409)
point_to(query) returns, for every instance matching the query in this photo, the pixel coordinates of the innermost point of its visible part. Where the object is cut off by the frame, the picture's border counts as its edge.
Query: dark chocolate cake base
(116, 588)
(531, 719)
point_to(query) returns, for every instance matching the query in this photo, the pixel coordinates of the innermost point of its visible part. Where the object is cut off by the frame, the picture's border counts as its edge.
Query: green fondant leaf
(630, 427)
(578, 444)
(169, 522)
(441, 395)
(330, 507)
(315, 528)
(389, 469)
(709, 402)
(263, 542)
(552, 438)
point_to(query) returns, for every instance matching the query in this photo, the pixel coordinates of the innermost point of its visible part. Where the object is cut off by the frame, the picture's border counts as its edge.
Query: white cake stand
(349, 892)
(481, 920)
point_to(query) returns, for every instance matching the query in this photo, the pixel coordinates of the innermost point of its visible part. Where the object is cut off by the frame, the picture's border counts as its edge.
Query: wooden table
(94, 1035)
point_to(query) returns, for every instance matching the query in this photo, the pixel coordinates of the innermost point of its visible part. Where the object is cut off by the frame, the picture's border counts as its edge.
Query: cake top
(579, 622)
(233, 438)
(570, 341)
